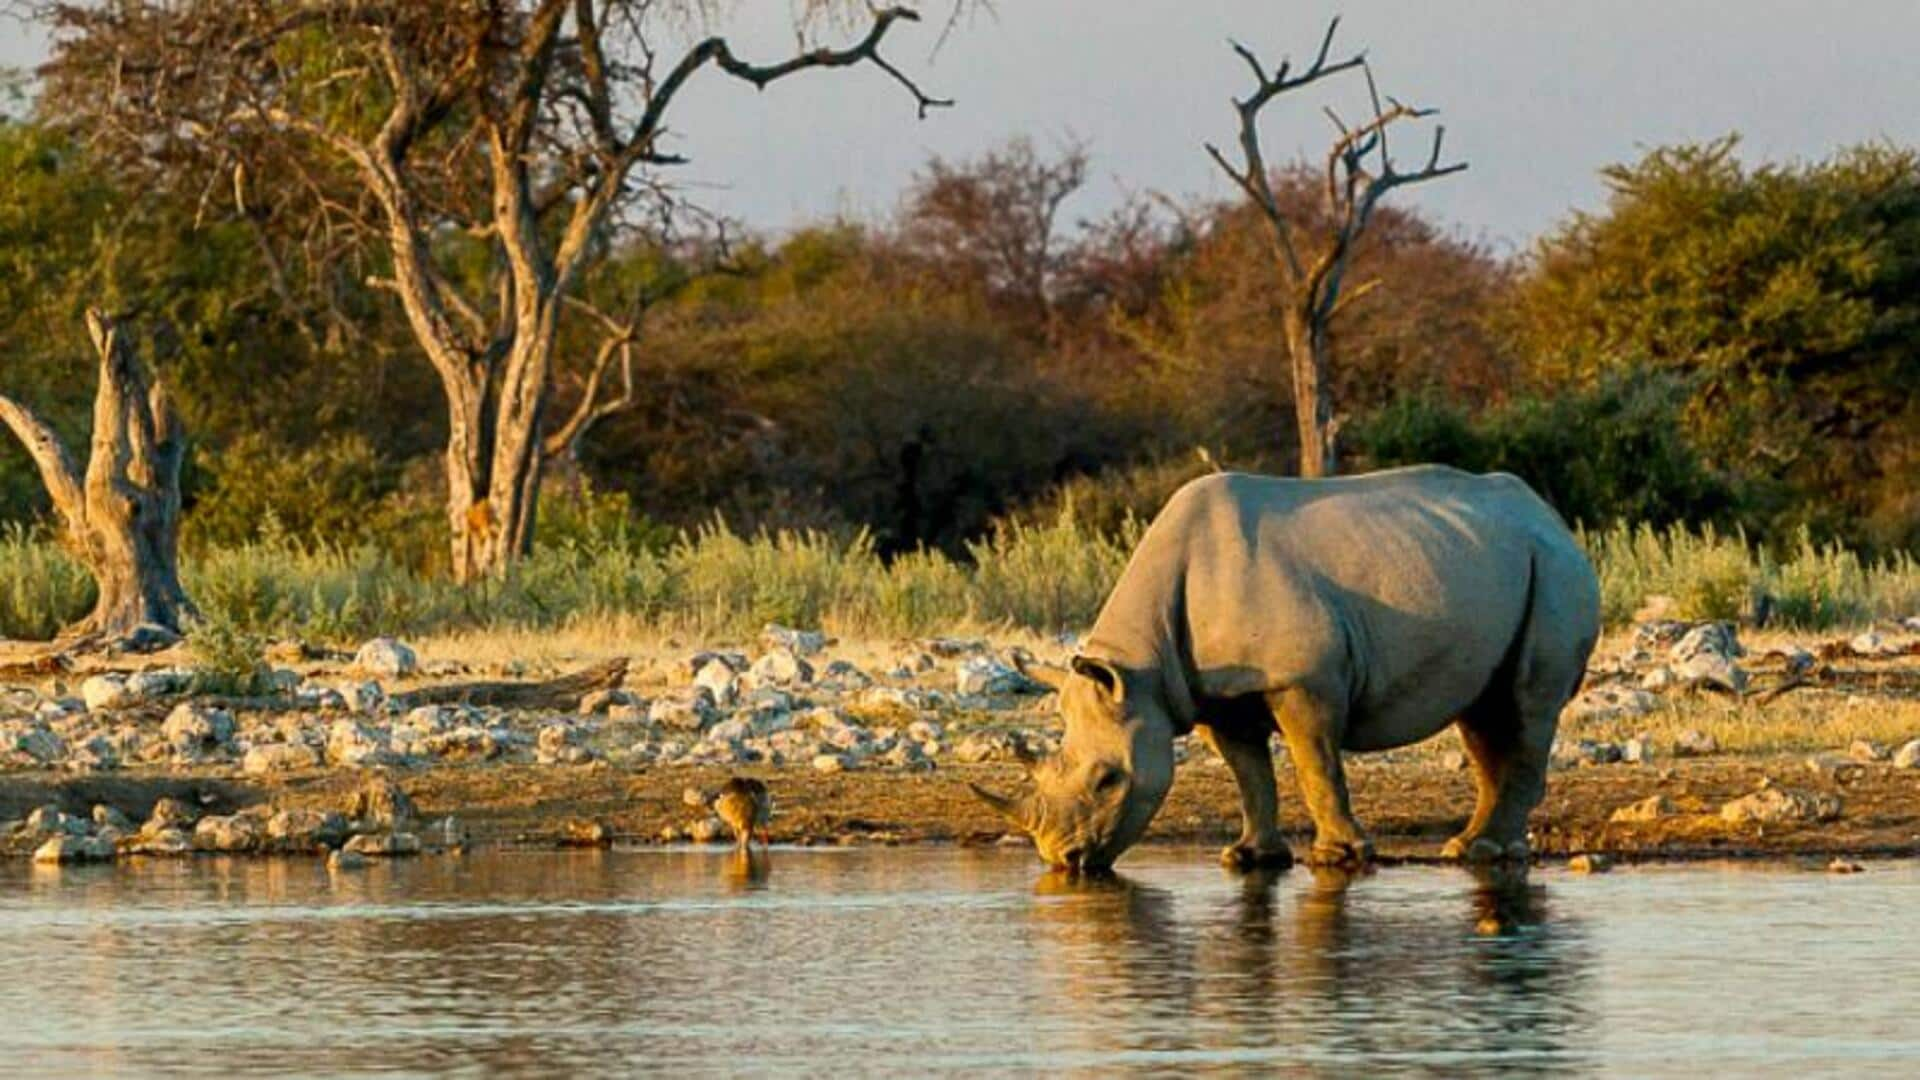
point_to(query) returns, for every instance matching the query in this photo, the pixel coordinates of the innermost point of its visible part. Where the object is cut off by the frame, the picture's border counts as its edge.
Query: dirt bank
(1411, 808)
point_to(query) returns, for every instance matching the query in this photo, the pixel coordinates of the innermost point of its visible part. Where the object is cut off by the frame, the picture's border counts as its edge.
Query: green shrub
(42, 588)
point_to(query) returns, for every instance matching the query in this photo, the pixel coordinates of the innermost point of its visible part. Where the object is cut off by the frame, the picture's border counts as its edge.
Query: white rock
(1611, 702)
(799, 642)
(829, 763)
(387, 658)
(982, 674)
(30, 743)
(228, 832)
(781, 667)
(50, 820)
(109, 691)
(1708, 639)
(1773, 804)
(364, 697)
(1695, 743)
(109, 817)
(1908, 756)
(193, 729)
(1866, 751)
(384, 845)
(685, 711)
(354, 744)
(719, 680)
(147, 685)
(305, 830)
(1709, 669)
(73, 849)
(278, 757)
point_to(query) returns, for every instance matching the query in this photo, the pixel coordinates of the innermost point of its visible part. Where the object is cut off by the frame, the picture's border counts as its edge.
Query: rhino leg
(1313, 728)
(1251, 759)
(1509, 754)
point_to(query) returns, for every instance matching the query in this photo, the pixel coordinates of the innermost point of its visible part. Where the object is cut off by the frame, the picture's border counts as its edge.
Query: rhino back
(1401, 591)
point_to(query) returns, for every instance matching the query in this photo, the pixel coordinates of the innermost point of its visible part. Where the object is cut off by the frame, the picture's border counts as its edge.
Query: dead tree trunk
(1312, 276)
(122, 518)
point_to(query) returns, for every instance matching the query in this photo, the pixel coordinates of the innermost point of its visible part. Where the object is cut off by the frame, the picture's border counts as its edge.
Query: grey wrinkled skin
(1350, 614)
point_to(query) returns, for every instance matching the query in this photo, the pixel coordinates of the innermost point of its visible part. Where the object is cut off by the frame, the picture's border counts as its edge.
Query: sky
(1537, 96)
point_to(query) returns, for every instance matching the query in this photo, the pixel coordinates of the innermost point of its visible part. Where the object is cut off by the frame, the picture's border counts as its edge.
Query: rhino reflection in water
(1351, 614)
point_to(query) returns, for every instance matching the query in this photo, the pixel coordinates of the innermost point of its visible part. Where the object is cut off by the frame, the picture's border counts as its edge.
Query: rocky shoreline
(375, 754)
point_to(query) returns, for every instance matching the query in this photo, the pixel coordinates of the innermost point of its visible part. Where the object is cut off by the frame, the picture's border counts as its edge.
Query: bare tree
(121, 518)
(996, 216)
(526, 131)
(1312, 269)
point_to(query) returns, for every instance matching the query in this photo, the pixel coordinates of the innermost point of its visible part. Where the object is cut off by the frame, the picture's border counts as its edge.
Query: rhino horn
(1016, 811)
(1053, 678)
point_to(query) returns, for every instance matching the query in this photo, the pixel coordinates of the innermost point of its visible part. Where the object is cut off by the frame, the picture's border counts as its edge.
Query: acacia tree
(1311, 269)
(120, 518)
(487, 149)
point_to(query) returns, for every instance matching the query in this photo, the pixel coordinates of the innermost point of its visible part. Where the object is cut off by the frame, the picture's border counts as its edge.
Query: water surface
(889, 961)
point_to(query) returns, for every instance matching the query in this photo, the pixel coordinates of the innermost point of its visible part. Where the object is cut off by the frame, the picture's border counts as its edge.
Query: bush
(42, 588)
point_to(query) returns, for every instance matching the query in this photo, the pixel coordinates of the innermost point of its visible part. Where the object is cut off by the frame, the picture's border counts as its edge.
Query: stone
(382, 806)
(781, 667)
(193, 730)
(689, 711)
(147, 685)
(798, 642)
(387, 658)
(1637, 750)
(355, 745)
(305, 830)
(50, 820)
(1843, 865)
(109, 817)
(603, 702)
(1651, 808)
(384, 845)
(96, 754)
(1873, 645)
(1708, 669)
(1659, 680)
(1695, 743)
(585, 833)
(981, 674)
(979, 747)
(1866, 751)
(1592, 752)
(364, 697)
(462, 744)
(950, 648)
(1453, 761)
(278, 757)
(1839, 768)
(719, 680)
(1708, 639)
(1908, 756)
(103, 692)
(695, 798)
(707, 830)
(1611, 703)
(169, 813)
(166, 842)
(347, 860)
(829, 763)
(73, 849)
(845, 675)
(229, 833)
(1779, 805)
(31, 744)
(1592, 862)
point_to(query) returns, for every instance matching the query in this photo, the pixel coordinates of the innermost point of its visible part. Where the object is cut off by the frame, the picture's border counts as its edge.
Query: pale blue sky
(1536, 95)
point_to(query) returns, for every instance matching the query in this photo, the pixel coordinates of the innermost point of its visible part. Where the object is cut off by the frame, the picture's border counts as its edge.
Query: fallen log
(561, 695)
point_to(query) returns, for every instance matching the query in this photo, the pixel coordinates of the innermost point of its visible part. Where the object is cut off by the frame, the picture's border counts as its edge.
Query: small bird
(743, 803)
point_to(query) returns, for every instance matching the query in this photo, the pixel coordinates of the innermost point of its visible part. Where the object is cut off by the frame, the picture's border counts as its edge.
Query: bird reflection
(748, 868)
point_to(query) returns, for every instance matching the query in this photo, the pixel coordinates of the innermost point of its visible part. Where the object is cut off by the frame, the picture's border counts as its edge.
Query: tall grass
(714, 582)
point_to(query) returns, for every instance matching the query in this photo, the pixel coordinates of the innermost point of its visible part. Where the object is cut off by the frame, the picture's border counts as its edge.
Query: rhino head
(1094, 799)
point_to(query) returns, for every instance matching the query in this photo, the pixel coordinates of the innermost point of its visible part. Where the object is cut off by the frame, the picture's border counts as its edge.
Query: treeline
(1722, 343)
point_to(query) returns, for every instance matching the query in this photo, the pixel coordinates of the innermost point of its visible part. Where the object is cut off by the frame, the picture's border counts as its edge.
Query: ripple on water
(879, 960)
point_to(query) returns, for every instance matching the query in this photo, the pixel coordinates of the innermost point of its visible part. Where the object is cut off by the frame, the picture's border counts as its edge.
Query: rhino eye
(1106, 778)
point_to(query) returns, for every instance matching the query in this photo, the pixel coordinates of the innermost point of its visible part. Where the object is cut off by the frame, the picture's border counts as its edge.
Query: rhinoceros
(1351, 614)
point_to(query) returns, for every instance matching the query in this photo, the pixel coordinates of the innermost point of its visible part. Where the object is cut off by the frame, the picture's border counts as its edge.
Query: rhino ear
(1105, 674)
